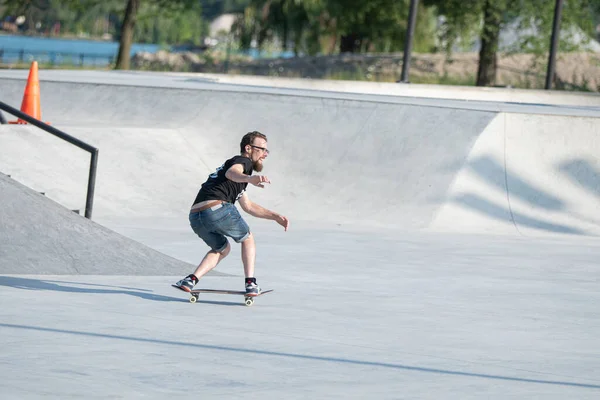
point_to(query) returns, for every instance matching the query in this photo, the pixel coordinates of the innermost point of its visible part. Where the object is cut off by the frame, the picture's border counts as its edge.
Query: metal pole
(89, 201)
(412, 19)
(554, 44)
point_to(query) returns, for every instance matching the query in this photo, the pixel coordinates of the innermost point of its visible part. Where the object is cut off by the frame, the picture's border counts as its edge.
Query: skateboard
(248, 300)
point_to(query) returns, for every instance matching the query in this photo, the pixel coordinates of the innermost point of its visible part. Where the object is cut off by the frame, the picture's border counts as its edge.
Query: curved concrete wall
(530, 174)
(334, 160)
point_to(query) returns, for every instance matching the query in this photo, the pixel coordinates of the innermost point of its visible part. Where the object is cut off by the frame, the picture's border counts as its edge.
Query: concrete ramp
(39, 236)
(337, 159)
(333, 160)
(531, 174)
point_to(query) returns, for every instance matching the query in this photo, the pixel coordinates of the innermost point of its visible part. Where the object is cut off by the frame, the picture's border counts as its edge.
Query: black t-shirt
(218, 187)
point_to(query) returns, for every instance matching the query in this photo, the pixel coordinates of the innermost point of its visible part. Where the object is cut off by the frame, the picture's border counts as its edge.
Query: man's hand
(260, 212)
(259, 180)
(283, 221)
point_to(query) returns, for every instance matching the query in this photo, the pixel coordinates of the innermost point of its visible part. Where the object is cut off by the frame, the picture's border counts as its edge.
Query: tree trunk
(332, 43)
(127, 34)
(492, 18)
(350, 43)
(285, 33)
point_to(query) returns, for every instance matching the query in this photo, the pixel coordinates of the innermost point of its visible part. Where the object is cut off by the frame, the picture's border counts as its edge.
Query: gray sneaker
(186, 284)
(252, 289)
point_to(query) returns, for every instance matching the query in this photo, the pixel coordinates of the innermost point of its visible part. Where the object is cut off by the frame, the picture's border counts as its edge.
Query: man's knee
(223, 253)
(248, 239)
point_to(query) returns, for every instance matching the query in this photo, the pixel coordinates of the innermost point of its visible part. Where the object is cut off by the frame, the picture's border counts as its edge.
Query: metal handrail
(89, 203)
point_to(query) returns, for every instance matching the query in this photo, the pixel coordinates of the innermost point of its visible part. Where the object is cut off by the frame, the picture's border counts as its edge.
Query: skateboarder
(213, 215)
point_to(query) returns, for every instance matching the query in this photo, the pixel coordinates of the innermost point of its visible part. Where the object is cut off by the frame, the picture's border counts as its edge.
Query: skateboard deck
(248, 300)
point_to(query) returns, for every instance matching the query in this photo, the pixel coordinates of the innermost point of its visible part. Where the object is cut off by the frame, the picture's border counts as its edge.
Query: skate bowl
(334, 160)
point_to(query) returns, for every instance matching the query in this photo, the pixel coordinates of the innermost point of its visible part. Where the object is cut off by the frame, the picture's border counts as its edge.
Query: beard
(257, 166)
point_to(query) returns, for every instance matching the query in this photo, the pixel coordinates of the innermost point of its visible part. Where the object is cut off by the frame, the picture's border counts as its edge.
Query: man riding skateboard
(213, 216)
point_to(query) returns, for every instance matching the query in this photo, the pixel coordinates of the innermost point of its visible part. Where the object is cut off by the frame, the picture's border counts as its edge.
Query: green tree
(484, 19)
(535, 17)
(352, 25)
(264, 21)
(166, 7)
(213, 8)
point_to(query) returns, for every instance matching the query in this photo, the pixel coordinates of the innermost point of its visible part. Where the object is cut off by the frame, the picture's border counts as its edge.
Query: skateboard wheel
(249, 301)
(193, 299)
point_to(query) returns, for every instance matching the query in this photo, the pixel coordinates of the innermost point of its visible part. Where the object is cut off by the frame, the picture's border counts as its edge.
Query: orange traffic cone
(31, 97)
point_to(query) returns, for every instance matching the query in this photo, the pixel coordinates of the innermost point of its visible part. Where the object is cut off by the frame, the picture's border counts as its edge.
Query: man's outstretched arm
(236, 173)
(260, 212)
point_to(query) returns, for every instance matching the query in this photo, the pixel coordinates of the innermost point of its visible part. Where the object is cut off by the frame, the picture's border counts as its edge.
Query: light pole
(412, 19)
(554, 44)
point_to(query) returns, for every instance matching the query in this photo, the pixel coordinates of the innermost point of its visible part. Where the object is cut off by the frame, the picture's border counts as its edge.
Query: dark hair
(249, 139)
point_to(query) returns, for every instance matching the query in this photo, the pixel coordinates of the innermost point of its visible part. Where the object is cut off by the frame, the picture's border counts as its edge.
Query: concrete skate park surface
(443, 241)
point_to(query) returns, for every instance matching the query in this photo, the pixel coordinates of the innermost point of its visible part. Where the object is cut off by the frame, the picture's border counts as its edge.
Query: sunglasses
(261, 148)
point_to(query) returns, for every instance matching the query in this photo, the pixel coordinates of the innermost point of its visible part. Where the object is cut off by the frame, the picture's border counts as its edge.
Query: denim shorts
(213, 224)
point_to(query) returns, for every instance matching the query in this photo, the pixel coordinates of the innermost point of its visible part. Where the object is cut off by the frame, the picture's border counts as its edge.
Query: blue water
(81, 52)
(62, 51)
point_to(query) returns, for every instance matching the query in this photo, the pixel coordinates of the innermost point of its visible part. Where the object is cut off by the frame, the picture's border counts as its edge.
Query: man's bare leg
(210, 260)
(249, 256)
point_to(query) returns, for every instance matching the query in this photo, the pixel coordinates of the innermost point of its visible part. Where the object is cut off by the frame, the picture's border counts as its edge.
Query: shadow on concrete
(582, 173)
(73, 287)
(220, 303)
(492, 172)
(497, 212)
(304, 357)
(92, 288)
